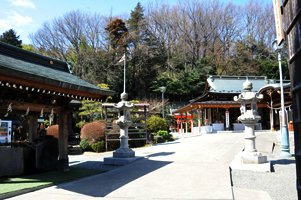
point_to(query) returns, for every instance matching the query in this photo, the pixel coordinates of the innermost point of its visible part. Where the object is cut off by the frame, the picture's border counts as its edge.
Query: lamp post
(162, 89)
(285, 147)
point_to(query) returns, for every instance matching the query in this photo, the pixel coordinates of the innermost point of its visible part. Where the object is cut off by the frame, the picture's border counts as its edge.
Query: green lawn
(32, 182)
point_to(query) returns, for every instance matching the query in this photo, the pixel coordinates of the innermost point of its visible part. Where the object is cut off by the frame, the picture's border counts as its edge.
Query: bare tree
(74, 37)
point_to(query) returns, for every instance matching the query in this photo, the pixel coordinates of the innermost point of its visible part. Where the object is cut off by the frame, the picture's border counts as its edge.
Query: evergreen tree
(10, 37)
(117, 32)
(146, 55)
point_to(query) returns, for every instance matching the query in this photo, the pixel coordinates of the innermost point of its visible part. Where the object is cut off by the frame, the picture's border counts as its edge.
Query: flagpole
(124, 72)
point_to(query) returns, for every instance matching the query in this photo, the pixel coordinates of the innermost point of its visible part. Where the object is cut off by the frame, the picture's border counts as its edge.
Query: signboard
(227, 119)
(278, 21)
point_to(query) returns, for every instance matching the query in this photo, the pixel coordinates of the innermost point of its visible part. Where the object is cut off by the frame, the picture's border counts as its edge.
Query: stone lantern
(124, 122)
(249, 117)
(123, 155)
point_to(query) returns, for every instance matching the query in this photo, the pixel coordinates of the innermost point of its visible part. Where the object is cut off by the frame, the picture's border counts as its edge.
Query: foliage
(98, 146)
(90, 111)
(29, 47)
(176, 46)
(80, 124)
(158, 139)
(84, 144)
(164, 134)
(117, 32)
(155, 123)
(10, 37)
(103, 86)
(93, 131)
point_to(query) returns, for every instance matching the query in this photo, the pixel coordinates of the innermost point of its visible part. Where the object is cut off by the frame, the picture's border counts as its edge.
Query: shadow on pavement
(283, 162)
(106, 183)
(160, 154)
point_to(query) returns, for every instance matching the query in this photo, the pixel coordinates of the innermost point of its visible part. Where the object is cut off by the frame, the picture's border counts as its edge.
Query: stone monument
(249, 117)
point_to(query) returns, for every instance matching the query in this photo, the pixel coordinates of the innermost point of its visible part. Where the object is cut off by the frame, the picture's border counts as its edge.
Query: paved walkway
(188, 168)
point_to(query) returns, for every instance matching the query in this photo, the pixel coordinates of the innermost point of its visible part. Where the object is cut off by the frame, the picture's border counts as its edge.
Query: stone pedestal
(250, 154)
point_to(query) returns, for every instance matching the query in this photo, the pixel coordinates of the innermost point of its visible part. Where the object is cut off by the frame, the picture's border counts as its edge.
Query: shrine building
(215, 110)
(33, 86)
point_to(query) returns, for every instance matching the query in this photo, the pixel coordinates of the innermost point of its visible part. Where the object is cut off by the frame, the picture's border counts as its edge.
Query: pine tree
(145, 52)
(10, 37)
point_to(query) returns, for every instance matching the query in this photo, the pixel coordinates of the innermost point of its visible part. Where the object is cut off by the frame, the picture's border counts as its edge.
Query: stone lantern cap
(247, 86)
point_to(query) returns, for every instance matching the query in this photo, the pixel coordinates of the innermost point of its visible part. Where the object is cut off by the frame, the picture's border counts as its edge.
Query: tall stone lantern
(124, 122)
(123, 155)
(249, 117)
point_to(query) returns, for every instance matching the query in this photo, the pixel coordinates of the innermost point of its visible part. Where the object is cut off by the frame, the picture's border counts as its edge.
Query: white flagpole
(124, 72)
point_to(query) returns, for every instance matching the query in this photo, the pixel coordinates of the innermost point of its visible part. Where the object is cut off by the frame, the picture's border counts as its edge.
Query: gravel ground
(280, 184)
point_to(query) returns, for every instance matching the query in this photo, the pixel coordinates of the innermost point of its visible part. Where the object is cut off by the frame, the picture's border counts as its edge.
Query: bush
(53, 130)
(98, 146)
(155, 123)
(93, 131)
(164, 134)
(158, 139)
(84, 144)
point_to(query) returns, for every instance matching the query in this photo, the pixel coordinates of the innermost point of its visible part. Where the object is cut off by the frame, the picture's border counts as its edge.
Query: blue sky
(27, 16)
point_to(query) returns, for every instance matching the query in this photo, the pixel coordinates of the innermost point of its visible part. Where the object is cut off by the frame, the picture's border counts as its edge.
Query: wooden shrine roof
(26, 70)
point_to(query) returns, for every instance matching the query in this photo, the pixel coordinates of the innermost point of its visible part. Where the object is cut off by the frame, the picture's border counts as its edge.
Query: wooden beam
(50, 88)
(33, 107)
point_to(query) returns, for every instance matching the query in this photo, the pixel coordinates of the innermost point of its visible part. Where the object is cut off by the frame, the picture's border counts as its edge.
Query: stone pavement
(188, 168)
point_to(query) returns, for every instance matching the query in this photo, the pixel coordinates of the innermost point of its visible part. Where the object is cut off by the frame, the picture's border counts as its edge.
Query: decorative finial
(247, 85)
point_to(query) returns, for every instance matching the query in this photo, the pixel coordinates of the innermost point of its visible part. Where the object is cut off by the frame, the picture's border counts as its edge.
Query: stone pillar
(64, 121)
(32, 127)
(227, 119)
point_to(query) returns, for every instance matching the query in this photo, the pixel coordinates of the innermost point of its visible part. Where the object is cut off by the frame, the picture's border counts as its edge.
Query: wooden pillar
(144, 125)
(205, 117)
(64, 121)
(181, 126)
(186, 124)
(32, 127)
(209, 116)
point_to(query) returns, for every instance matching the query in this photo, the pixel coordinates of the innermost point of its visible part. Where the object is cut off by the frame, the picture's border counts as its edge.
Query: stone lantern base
(120, 161)
(252, 158)
(251, 162)
(124, 153)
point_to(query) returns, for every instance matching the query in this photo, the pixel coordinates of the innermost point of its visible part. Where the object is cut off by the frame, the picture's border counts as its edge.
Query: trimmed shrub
(53, 130)
(93, 131)
(155, 123)
(98, 146)
(84, 144)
